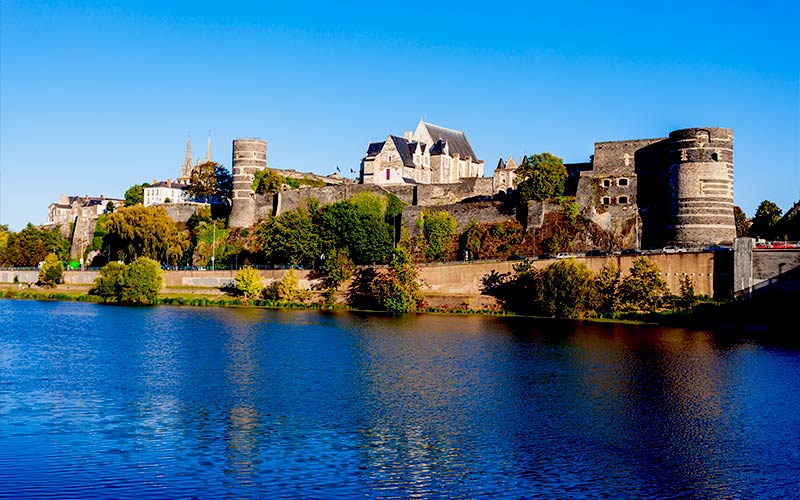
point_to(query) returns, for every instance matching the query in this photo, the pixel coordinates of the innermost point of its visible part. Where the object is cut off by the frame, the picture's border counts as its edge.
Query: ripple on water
(110, 402)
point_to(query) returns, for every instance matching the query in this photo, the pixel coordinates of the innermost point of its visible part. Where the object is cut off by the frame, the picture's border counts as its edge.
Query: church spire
(186, 168)
(208, 148)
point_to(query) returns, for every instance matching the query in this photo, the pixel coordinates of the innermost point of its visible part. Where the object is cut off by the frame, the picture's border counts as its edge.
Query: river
(168, 402)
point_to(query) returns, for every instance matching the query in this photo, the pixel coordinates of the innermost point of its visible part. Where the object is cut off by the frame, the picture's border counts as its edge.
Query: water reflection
(173, 402)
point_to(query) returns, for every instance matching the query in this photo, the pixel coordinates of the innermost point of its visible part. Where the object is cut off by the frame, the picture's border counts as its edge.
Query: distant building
(505, 175)
(69, 208)
(166, 191)
(169, 191)
(431, 155)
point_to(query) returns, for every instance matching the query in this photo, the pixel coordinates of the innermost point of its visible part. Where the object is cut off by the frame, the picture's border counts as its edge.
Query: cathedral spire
(186, 168)
(208, 148)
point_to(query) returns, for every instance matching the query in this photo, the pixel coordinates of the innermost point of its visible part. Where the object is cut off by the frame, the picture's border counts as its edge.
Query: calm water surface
(112, 402)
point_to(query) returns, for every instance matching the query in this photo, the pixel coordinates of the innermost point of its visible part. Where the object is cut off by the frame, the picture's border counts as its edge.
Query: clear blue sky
(97, 96)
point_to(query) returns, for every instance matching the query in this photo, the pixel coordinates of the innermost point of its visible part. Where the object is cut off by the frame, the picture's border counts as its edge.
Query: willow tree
(139, 231)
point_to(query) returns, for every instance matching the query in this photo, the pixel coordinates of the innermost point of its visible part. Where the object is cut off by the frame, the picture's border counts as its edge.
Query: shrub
(397, 290)
(287, 289)
(140, 282)
(108, 284)
(248, 282)
(643, 289)
(51, 272)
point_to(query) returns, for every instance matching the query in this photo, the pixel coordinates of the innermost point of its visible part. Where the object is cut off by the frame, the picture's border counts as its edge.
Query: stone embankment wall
(454, 278)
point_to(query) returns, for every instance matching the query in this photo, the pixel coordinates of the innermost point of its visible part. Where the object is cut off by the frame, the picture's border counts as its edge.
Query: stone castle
(647, 193)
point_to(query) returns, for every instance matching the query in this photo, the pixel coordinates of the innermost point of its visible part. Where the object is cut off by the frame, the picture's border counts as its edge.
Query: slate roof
(374, 148)
(403, 148)
(457, 141)
(438, 147)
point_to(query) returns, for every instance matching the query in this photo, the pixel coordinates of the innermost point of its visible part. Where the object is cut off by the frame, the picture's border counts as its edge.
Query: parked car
(543, 256)
(563, 255)
(596, 253)
(673, 249)
(717, 248)
(630, 251)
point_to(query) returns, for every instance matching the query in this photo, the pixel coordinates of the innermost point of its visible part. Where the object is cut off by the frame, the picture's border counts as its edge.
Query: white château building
(431, 155)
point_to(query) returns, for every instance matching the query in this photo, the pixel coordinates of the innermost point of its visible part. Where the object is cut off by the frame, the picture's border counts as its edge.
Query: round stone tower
(700, 175)
(249, 156)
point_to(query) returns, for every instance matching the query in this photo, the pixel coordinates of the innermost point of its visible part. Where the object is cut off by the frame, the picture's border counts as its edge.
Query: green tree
(135, 283)
(336, 269)
(606, 287)
(290, 238)
(140, 282)
(564, 289)
(541, 177)
(211, 240)
(397, 289)
(248, 283)
(359, 225)
(439, 228)
(51, 272)
(203, 182)
(140, 231)
(135, 195)
(29, 247)
(108, 283)
(767, 215)
(742, 225)
(110, 207)
(687, 298)
(643, 289)
(267, 181)
(224, 183)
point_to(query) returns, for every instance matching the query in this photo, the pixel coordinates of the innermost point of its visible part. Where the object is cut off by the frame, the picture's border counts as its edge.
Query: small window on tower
(714, 156)
(607, 182)
(606, 200)
(622, 181)
(622, 200)
(388, 174)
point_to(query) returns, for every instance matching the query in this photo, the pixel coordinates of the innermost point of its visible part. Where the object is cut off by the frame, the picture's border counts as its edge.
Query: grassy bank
(763, 315)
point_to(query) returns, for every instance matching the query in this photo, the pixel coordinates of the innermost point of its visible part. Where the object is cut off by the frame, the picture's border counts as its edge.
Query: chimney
(169, 183)
(407, 135)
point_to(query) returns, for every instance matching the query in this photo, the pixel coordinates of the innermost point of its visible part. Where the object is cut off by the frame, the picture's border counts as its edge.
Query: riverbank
(764, 317)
